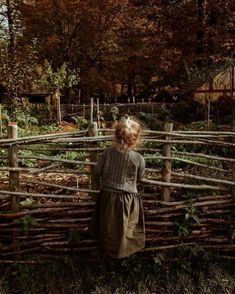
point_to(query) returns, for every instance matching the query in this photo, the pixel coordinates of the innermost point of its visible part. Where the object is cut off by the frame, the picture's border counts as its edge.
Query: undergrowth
(132, 276)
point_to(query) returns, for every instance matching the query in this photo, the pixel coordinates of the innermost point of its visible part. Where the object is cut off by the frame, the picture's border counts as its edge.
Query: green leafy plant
(184, 222)
(151, 162)
(112, 114)
(5, 119)
(188, 194)
(114, 111)
(232, 230)
(51, 128)
(74, 237)
(25, 119)
(27, 222)
(152, 120)
(27, 201)
(57, 79)
(159, 259)
(81, 122)
(3, 153)
(27, 162)
(71, 155)
(164, 114)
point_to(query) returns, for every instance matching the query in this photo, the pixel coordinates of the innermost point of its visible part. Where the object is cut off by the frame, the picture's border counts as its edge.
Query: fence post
(233, 179)
(92, 111)
(232, 78)
(166, 165)
(84, 110)
(0, 121)
(13, 162)
(98, 111)
(94, 155)
(233, 168)
(58, 107)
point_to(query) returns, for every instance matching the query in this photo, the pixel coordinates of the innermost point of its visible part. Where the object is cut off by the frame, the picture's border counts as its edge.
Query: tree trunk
(129, 86)
(14, 104)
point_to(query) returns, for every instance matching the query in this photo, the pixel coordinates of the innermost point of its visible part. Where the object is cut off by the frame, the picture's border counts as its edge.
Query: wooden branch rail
(222, 133)
(38, 139)
(222, 182)
(51, 158)
(160, 141)
(201, 142)
(49, 167)
(54, 148)
(190, 154)
(40, 195)
(55, 186)
(197, 187)
(178, 134)
(195, 177)
(187, 161)
(38, 170)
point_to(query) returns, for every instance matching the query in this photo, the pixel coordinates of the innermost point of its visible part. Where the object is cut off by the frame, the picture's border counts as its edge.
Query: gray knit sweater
(120, 170)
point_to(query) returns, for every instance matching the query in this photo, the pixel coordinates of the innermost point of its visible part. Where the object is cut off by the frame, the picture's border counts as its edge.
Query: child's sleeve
(100, 164)
(141, 169)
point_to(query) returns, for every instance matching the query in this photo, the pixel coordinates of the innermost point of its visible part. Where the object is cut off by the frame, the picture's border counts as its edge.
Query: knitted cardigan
(120, 170)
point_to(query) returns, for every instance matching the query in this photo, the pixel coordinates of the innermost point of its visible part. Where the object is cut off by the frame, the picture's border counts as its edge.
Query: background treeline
(107, 47)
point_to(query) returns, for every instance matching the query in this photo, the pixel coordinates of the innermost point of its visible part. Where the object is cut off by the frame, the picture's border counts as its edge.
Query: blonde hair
(127, 134)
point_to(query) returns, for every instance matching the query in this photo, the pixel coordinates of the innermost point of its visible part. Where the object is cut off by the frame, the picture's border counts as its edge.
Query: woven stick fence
(48, 192)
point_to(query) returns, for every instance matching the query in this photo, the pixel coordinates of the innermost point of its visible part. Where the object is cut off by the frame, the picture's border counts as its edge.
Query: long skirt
(118, 222)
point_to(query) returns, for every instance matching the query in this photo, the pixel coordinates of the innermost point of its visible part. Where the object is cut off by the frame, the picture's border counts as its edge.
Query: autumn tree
(80, 33)
(17, 56)
(129, 42)
(194, 34)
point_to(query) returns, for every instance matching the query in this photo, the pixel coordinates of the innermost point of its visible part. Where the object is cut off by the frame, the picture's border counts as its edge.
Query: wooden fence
(47, 192)
(127, 108)
(84, 110)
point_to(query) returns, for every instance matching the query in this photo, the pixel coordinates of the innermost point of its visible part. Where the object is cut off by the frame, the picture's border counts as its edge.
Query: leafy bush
(27, 222)
(185, 112)
(186, 219)
(27, 162)
(112, 114)
(151, 121)
(81, 122)
(3, 153)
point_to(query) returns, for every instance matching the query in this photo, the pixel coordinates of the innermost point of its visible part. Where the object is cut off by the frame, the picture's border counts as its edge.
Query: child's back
(120, 169)
(120, 222)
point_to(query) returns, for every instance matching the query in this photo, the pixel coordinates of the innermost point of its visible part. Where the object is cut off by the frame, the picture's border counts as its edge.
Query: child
(120, 221)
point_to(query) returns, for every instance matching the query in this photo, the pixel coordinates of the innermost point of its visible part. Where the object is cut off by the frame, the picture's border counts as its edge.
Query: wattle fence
(48, 189)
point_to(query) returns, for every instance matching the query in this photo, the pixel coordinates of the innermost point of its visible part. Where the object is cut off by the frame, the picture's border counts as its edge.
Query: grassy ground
(126, 277)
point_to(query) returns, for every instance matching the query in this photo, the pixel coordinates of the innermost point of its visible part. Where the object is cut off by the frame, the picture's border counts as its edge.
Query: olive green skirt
(118, 222)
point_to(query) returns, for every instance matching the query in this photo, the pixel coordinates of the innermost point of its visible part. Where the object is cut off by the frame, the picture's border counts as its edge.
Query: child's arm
(141, 169)
(100, 164)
